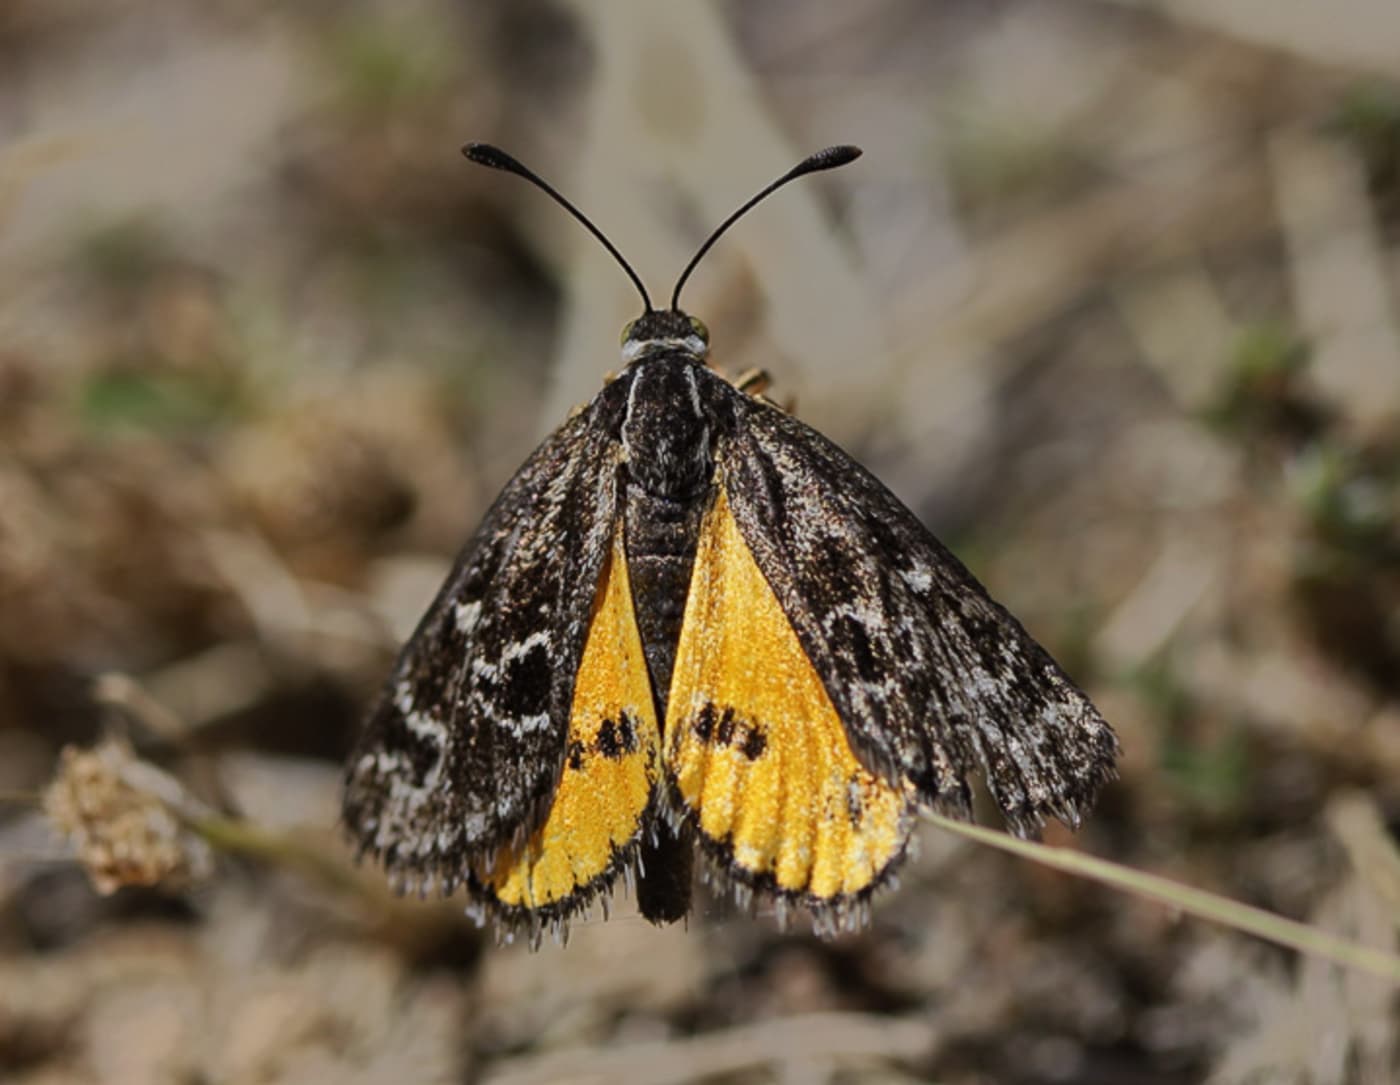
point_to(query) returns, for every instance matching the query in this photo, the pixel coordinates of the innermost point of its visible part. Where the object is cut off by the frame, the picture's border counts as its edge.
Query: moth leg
(754, 381)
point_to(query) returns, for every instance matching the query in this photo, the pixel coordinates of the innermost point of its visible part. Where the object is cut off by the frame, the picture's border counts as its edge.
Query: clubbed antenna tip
(826, 159)
(486, 155)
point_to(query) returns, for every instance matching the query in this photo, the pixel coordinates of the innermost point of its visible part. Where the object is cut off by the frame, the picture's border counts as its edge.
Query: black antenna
(827, 159)
(486, 155)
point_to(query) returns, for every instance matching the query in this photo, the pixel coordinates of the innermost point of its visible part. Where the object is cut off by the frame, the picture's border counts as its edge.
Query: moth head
(664, 331)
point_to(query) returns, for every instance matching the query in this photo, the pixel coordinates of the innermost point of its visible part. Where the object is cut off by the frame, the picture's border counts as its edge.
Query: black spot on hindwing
(724, 733)
(617, 738)
(723, 727)
(755, 742)
(704, 725)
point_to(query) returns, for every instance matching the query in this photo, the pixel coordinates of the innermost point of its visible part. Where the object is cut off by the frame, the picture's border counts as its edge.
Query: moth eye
(626, 331)
(698, 327)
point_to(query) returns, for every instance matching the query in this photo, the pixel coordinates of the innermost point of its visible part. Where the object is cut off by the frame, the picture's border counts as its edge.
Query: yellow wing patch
(610, 766)
(757, 755)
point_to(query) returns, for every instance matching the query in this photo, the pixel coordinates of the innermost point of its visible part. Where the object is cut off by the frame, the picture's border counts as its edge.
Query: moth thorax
(666, 431)
(636, 349)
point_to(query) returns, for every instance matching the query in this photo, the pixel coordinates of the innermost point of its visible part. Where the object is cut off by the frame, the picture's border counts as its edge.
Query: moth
(691, 626)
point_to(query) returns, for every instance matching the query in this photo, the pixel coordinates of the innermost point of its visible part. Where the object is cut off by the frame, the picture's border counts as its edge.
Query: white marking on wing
(537, 639)
(466, 616)
(525, 724)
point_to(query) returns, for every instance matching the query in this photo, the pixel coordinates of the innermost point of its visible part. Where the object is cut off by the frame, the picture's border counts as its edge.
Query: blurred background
(1110, 301)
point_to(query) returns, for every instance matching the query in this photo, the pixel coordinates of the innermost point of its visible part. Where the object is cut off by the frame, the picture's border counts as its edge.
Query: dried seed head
(120, 814)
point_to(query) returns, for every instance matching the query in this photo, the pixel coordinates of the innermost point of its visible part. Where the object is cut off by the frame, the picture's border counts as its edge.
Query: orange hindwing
(610, 770)
(755, 753)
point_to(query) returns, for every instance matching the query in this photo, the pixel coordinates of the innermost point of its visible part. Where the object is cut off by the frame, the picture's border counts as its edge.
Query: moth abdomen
(660, 537)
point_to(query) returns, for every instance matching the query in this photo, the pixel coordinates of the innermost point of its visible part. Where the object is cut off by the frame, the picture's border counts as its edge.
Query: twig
(1197, 902)
(235, 836)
